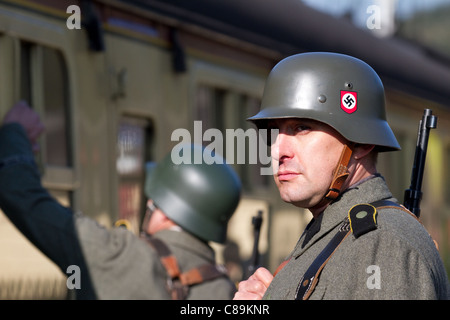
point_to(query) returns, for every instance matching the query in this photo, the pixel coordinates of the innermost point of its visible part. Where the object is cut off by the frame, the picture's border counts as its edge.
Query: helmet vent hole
(349, 85)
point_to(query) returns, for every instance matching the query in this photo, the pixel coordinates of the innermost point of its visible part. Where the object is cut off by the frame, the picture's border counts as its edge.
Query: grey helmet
(339, 90)
(201, 198)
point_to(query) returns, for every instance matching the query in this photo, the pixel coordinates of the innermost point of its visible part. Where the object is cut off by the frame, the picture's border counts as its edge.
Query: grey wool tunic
(397, 260)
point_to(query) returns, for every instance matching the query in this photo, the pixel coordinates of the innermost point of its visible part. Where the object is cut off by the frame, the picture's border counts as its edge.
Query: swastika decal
(349, 101)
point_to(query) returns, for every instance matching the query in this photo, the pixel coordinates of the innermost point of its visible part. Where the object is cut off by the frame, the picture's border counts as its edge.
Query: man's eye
(301, 128)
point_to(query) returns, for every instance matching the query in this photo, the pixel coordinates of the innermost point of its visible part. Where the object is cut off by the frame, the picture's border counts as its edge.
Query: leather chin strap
(340, 175)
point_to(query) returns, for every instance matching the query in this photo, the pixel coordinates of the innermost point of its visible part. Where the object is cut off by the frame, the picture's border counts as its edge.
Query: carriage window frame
(35, 68)
(226, 108)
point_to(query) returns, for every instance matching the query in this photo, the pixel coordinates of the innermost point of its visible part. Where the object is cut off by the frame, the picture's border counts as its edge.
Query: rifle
(413, 195)
(254, 260)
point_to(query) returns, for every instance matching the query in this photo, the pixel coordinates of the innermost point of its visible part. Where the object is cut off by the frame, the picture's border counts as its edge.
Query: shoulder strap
(178, 283)
(362, 219)
(309, 280)
(205, 272)
(382, 204)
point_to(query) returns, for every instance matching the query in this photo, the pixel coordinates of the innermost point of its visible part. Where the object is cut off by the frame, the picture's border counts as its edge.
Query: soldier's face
(305, 155)
(154, 219)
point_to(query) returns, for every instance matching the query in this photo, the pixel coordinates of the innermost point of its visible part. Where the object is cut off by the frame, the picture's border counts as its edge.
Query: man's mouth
(287, 175)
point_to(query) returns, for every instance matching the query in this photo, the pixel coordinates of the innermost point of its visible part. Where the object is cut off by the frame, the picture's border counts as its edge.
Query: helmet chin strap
(340, 175)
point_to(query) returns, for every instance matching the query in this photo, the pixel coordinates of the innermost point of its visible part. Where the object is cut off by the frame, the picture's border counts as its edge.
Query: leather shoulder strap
(310, 278)
(179, 282)
(205, 272)
(177, 290)
(168, 260)
(381, 204)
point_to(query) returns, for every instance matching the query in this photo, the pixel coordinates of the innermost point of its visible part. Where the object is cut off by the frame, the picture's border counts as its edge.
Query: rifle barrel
(413, 195)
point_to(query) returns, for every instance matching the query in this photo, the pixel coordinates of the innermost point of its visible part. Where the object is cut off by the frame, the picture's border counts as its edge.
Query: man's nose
(282, 147)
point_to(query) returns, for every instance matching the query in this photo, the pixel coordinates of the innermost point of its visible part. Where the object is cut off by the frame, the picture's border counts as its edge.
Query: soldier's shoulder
(393, 223)
(400, 222)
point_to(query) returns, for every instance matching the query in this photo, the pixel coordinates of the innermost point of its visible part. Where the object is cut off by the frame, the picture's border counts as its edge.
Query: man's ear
(362, 150)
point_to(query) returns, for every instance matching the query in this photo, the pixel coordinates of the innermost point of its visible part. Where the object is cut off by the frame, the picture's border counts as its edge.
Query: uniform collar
(367, 190)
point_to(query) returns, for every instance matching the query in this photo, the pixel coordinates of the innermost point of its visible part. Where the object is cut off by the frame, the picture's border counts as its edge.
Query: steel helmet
(339, 90)
(200, 198)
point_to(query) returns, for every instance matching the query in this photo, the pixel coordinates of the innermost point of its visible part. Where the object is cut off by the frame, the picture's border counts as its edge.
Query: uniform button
(361, 214)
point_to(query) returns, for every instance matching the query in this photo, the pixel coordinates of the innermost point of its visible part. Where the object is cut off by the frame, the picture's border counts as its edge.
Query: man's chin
(294, 201)
(301, 203)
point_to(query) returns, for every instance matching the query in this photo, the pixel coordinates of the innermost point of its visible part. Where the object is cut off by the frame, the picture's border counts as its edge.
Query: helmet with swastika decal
(339, 90)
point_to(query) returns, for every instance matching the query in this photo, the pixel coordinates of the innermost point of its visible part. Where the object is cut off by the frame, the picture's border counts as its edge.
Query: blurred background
(113, 82)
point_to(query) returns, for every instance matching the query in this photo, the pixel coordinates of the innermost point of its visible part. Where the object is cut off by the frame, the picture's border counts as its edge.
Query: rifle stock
(413, 195)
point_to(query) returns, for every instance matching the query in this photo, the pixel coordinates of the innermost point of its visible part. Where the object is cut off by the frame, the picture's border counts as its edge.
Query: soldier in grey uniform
(189, 205)
(361, 244)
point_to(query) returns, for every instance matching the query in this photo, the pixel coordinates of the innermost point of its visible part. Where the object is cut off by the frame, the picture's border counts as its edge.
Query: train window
(56, 109)
(252, 176)
(25, 71)
(44, 85)
(227, 109)
(211, 107)
(133, 137)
